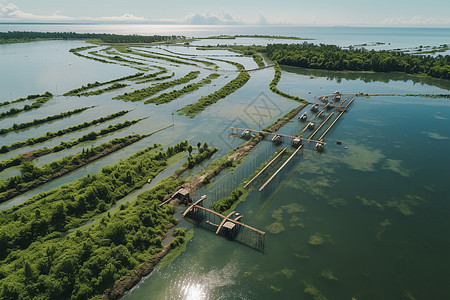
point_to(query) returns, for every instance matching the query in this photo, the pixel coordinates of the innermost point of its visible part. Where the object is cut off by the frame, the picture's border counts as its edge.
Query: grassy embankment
(39, 100)
(144, 93)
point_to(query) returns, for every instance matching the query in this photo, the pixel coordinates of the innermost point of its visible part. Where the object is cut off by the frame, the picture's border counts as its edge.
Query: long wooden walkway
(272, 133)
(263, 169)
(280, 168)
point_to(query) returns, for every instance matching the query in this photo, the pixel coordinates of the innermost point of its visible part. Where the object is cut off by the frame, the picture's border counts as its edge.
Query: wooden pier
(265, 168)
(271, 133)
(280, 168)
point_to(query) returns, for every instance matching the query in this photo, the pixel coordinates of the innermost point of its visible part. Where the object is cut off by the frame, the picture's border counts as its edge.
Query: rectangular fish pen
(227, 226)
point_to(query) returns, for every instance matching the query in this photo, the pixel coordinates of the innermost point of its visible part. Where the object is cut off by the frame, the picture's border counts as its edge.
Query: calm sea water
(381, 205)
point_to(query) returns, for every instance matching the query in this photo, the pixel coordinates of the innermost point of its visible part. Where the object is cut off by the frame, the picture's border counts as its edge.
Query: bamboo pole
(282, 151)
(280, 168)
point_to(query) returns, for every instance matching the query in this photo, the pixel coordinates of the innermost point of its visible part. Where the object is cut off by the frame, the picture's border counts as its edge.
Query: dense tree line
(50, 135)
(332, 57)
(204, 152)
(89, 261)
(38, 102)
(168, 97)
(24, 36)
(152, 90)
(226, 202)
(44, 120)
(194, 109)
(83, 88)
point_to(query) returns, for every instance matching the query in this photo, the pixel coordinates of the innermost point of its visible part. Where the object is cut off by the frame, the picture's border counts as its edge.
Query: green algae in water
(404, 205)
(328, 274)
(296, 222)
(361, 158)
(383, 225)
(293, 208)
(314, 292)
(316, 239)
(278, 214)
(396, 167)
(289, 273)
(367, 202)
(337, 202)
(275, 228)
(275, 289)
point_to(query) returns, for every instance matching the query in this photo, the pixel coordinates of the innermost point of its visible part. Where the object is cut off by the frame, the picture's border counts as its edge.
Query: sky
(392, 13)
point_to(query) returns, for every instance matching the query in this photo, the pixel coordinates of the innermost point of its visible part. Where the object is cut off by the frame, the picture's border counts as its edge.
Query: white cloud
(13, 13)
(222, 18)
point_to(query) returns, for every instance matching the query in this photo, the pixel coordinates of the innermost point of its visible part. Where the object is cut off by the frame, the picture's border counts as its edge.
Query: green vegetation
(33, 176)
(204, 152)
(274, 88)
(239, 66)
(168, 97)
(258, 60)
(279, 37)
(26, 36)
(88, 262)
(149, 54)
(40, 100)
(194, 109)
(113, 87)
(156, 78)
(41, 121)
(91, 136)
(85, 197)
(116, 58)
(207, 63)
(331, 57)
(42, 259)
(178, 245)
(162, 70)
(227, 202)
(83, 88)
(152, 90)
(49, 135)
(29, 97)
